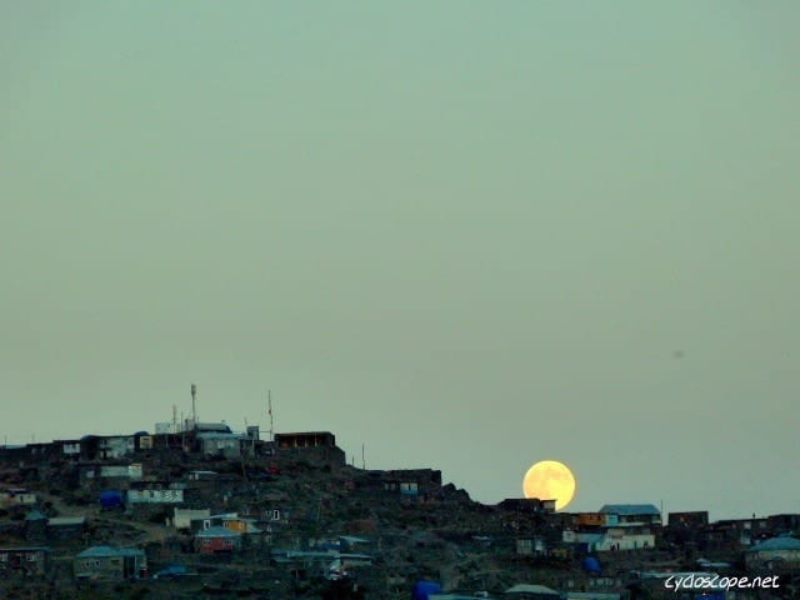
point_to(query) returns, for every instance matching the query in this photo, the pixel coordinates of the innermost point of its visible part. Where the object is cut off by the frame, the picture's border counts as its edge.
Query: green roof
(782, 542)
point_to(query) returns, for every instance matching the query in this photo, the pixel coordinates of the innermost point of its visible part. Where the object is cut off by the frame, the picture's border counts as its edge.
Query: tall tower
(194, 405)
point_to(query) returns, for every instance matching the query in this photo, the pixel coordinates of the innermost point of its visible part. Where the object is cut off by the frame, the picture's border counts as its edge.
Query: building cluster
(202, 494)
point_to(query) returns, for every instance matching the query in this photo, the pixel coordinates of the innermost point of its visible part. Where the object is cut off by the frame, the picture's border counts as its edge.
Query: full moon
(550, 480)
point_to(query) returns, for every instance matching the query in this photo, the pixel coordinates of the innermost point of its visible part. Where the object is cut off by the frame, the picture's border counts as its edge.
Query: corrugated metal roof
(109, 551)
(630, 509)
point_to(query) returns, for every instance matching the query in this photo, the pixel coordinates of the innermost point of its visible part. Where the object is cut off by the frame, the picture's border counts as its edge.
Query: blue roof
(213, 532)
(782, 542)
(629, 510)
(109, 551)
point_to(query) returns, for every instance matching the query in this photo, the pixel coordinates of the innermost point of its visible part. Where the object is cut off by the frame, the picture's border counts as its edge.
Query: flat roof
(66, 521)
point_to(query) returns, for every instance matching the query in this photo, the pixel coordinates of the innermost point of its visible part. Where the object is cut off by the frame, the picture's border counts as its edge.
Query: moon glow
(550, 480)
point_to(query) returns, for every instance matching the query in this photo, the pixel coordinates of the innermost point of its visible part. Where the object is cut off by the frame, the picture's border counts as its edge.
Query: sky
(467, 235)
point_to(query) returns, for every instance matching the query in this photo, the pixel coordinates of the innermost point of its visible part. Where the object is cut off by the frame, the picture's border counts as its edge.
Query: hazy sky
(470, 235)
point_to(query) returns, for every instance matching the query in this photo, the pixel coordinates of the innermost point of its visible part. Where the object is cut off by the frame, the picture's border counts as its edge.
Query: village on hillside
(196, 509)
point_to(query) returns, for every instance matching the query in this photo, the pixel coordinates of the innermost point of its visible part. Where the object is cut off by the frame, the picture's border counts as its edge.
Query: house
(634, 513)
(107, 563)
(143, 442)
(409, 483)
(778, 553)
(182, 517)
(69, 448)
(228, 445)
(627, 537)
(230, 521)
(611, 539)
(524, 591)
(739, 532)
(590, 519)
(66, 528)
(328, 561)
(95, 471)
(531, 547)
(528, 505)
(785, 523)
(115, 446)
(17, 497)
(307, 439)
(132, 471)
(155, 496)
(30, 560)
(217, 540)
(689, 520)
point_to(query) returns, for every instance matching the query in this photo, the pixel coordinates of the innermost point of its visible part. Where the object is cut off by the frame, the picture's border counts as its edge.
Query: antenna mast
(194, 406)
(269, 411)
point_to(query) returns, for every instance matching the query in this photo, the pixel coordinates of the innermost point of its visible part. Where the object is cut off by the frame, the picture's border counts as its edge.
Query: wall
(155, 496)
(182, 518)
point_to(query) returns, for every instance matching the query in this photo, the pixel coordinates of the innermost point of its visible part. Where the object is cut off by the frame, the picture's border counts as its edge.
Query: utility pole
(363, 458)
